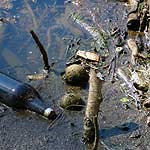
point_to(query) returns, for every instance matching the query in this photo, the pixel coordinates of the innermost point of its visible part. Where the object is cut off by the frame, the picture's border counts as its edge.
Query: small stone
(76, 75)
(72, 101)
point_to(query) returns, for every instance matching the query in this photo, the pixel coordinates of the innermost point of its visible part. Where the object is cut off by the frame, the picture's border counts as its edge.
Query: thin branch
(42, 50)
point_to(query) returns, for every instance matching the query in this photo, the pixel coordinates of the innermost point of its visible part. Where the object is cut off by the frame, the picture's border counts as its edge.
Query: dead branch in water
(90, 134)
(42, 50)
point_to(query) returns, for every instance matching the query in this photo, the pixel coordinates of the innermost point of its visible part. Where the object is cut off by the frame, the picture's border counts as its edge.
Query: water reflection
(40, 16)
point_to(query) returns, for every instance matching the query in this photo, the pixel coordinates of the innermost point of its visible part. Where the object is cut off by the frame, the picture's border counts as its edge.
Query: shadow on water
(118, 130)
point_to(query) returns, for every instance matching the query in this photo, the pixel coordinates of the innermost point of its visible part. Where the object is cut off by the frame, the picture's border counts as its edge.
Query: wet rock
(72, 101)
(133, 22)
(139, 81)
(76, 75)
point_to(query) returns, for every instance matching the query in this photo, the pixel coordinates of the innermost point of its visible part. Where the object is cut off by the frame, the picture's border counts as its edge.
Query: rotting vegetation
(135, 73)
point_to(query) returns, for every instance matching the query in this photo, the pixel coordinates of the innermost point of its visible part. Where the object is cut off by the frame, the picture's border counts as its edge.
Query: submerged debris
(133, 91)
(138, 83)
(98, 34)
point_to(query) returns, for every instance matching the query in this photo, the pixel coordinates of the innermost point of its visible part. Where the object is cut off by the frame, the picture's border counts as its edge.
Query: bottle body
(19, 95)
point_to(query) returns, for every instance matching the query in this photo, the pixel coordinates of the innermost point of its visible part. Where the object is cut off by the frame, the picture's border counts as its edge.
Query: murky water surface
(52, 21)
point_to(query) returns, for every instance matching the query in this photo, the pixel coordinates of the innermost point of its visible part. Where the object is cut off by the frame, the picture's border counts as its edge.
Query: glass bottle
(20, 95)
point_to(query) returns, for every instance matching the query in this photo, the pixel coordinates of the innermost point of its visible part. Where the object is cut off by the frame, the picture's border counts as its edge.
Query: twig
(112, 67)
(42, 50)
(61, 114)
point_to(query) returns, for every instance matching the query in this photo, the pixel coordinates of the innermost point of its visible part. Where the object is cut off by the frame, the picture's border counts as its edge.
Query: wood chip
(134, 49)
(148, 121)
(133, 46)
(88, 55)
(37, 76)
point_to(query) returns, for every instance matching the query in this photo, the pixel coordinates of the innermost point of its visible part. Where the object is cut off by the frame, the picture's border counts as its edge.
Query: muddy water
(19, 56)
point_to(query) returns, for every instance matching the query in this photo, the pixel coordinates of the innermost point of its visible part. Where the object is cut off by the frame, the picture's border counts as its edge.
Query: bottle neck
(38, 106)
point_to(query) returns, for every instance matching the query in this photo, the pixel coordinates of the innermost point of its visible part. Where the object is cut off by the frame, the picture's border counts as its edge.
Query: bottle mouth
(50, 113)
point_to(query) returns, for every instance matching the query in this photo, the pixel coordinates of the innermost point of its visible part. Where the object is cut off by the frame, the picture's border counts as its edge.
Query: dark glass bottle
(20, 95)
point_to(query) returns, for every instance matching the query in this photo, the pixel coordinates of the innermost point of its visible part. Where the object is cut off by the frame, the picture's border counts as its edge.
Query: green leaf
(124, 100)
